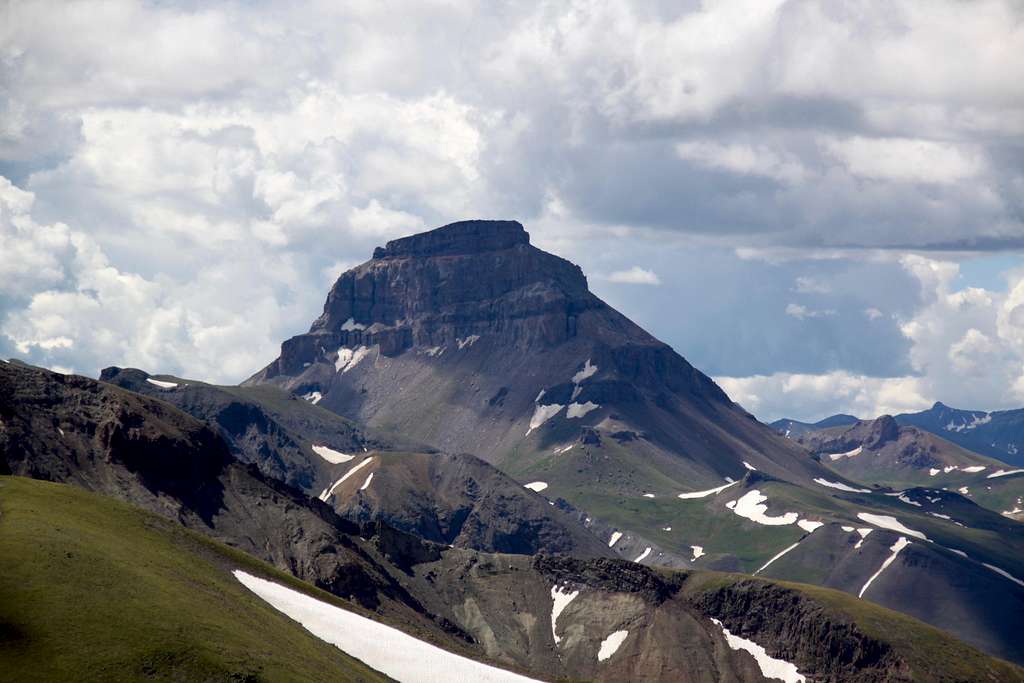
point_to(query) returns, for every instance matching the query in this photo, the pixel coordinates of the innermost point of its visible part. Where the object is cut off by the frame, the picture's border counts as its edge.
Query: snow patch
(580, 409)
(161, 383)
(468, 341)
(349, 358)
(770, 666)
(648, 495)
(586, 373)
(848, 454)
(703, 494)
(961, 553)
(565, 449)
(839, 485)
(537, 486)
(974, 469)
(863, 534)
(749, 466)
(434, 351)
(905, 499)
(332, 456)
(542, 414)
(698, 552)
(313, 397)
(976, 421)
(367, 482)
(1004, 573)
(777, 556)
(611, 644)
(848, 529)
(963, 490)
(560, 597)
(752, 507)
(390, 651)
(932, 472)
(351, 325)
(1003, 473)
(890, 523)
(616, 535)
(809, 526)
(643, 555)
(899, 545)
(666, 528)
(939, 515)
(327, 493)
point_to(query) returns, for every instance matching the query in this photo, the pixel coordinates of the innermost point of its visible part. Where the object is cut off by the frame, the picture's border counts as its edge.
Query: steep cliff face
(470, 339)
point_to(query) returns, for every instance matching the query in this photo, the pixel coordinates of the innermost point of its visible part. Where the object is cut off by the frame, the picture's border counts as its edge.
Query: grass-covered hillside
(92, 589)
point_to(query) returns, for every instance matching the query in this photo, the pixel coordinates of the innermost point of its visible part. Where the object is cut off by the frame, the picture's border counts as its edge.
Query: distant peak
(939, 405)
(463, 237)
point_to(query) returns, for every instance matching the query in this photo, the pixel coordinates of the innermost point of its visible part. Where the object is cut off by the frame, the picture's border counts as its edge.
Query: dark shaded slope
(457, 500)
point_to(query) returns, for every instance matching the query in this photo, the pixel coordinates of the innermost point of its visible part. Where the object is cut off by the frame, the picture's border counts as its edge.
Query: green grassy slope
(92, 589)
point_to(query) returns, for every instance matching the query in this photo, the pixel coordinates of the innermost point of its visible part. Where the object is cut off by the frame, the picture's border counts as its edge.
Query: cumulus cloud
(180, 183)
(965, 348)
(634, 276)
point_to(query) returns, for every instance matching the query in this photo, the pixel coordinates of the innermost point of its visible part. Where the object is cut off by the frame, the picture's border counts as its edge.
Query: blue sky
(819, 204)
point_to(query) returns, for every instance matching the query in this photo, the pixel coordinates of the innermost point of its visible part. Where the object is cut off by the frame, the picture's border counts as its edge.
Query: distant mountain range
(998, 434)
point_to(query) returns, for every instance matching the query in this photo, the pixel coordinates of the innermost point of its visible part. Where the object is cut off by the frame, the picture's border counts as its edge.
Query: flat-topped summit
(462, 237)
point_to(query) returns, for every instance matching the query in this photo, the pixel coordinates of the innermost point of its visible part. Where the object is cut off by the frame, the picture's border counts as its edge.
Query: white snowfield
(586, 373)
(749, 466)
(698, 552)
(648, 495)
(351, 325)
(542, 414)
(616, 535)
(899, 545)
(643, 555)
(160, 383)
(777, 556)
(770, 666)
(565, 449)
(809, 526)
(1003, 473)
(561, 597)
(752, 507)
(974, 469)
(468, 341)
(611, 644)
(863, 534)
(313, 397)
(386, 649)
(890, 523)
(1004, 573)
(366, 483)
(349, 358)
(332, 456)
(702, 494)
(327, 493)
(537, 486)
(580, 409)
(932, 472)
(839, 485)
(848, 454)
(904, 498)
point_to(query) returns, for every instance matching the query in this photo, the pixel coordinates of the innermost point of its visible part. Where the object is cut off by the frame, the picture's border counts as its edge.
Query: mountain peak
(462, 237)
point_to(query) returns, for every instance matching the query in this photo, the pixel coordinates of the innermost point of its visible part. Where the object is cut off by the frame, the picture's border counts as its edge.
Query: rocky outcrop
(804, 632)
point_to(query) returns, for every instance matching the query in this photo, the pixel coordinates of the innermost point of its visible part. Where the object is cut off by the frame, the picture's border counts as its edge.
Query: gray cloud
(214, 166)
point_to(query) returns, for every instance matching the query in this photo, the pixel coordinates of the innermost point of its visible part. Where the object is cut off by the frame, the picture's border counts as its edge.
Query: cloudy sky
(820, 204)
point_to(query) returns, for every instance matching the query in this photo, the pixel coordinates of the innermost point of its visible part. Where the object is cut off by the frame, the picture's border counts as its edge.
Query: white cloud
(634, 276)
(802, 312)
(810, 285)
(211, 168)
(966, 349)
(899, 159)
